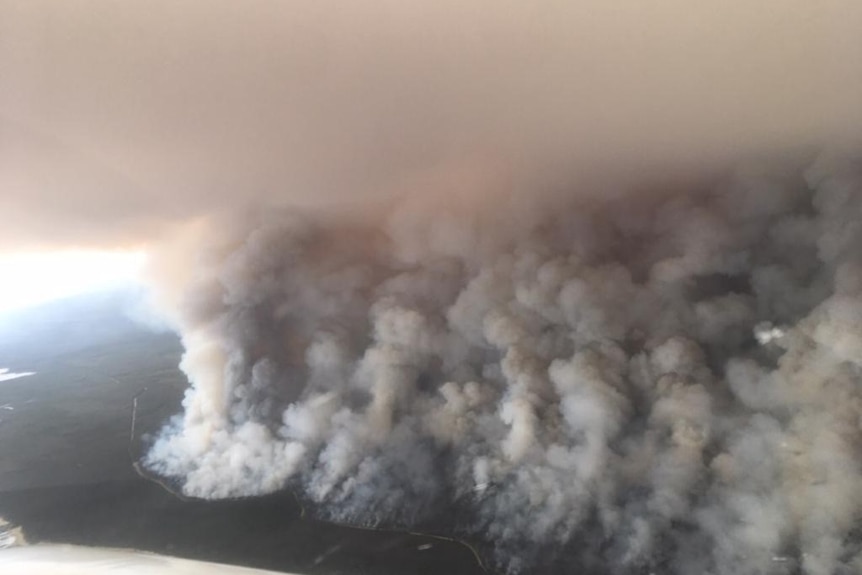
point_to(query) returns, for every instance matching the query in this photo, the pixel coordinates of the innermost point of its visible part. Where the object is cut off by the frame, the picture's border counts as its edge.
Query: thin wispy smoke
(667, 382)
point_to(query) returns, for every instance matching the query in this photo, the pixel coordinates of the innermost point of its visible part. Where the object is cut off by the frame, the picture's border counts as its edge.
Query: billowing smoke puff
(661, 382)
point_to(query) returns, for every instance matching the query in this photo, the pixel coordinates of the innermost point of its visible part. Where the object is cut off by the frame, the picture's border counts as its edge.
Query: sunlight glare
(31, 278)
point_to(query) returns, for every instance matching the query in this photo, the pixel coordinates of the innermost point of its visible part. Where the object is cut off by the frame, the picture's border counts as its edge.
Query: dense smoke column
(666, 382)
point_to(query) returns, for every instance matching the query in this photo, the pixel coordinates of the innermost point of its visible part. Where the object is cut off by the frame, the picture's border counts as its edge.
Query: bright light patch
(6, 375)
(28, 279)
(72, 560)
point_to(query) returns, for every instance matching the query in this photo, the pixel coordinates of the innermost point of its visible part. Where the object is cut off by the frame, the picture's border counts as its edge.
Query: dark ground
(66, 473)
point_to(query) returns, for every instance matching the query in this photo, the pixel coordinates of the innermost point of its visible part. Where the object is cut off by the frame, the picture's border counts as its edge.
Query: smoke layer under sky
(117, 119)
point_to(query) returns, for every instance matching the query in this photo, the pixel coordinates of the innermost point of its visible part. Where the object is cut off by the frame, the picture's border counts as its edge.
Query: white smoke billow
(666, 383)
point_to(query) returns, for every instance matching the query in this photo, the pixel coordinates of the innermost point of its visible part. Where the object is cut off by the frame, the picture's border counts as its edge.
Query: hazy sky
(118, 117)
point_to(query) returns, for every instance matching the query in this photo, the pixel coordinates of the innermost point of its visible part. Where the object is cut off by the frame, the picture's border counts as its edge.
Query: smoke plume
(667, 382)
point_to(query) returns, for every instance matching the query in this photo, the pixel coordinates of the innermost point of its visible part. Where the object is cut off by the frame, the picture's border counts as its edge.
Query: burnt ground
(67, 475)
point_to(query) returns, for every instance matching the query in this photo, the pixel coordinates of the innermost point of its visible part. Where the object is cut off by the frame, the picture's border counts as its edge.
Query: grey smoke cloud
(672, 388)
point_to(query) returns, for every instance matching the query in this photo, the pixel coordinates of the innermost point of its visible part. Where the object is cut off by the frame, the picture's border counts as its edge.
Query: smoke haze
(486, 263)
(118, 121)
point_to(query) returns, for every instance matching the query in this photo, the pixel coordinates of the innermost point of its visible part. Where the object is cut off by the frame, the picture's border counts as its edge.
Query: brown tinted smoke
(116, 120)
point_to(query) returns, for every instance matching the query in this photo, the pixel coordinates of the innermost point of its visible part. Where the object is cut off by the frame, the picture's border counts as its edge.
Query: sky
(118, 122)
(28, 278)
(121, 123)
